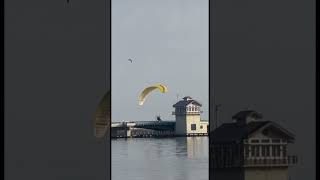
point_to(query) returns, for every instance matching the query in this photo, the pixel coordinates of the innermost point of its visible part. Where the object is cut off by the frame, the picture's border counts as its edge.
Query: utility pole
(217, 106)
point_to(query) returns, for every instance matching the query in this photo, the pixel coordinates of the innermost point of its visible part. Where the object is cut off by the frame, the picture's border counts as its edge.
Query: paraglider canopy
(102, 118)
(143, 95)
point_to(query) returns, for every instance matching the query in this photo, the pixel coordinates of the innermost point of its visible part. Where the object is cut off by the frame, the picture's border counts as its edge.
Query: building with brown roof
(250, 148)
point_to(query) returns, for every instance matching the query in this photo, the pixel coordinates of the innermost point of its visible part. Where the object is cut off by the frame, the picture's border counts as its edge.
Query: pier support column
(129, 132)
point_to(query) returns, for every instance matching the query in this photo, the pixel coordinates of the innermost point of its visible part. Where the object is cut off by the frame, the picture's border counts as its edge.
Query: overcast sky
(168, 43)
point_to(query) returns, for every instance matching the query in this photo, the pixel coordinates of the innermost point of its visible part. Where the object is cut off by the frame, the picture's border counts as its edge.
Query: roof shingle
(233, 132)
(184, 103)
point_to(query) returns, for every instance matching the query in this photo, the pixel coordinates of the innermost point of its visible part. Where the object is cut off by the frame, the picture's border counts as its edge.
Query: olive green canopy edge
(102, 118)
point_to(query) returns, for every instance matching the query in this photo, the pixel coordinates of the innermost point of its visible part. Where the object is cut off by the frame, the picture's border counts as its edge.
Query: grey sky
(168, 42)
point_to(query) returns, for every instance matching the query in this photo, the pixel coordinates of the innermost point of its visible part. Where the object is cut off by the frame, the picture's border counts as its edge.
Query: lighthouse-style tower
(188, 120)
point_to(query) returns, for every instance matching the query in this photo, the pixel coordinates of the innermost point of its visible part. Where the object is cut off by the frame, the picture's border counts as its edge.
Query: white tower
(188, 120)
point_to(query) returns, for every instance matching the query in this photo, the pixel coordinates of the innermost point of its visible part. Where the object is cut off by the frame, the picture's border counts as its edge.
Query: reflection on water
(181, 158)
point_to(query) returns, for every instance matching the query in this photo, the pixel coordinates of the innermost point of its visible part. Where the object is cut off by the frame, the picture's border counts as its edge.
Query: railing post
(260, 150)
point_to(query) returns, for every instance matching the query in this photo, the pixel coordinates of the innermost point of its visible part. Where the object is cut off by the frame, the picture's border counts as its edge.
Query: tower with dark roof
(250, 148)
(188, 120)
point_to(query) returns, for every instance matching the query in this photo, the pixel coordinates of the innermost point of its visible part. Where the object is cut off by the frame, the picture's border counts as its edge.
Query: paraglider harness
(159, 119)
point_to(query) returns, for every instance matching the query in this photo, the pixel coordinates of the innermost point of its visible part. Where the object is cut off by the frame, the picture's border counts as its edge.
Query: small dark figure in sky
(130, 60)
(158, 118)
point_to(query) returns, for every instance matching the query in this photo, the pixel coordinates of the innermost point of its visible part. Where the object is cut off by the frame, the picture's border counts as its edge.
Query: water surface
(180, 158)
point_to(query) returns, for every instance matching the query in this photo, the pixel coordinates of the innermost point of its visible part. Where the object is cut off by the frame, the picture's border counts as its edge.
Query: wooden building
(250, 148)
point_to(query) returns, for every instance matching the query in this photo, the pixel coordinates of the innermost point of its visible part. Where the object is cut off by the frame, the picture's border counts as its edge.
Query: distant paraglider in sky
(162, 88)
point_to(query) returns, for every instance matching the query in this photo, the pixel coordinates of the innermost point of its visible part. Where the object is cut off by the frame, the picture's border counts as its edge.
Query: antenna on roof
(177, 96)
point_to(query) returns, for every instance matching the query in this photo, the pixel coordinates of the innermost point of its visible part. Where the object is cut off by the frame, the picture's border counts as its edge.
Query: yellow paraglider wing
(103, 117)
(148, 90)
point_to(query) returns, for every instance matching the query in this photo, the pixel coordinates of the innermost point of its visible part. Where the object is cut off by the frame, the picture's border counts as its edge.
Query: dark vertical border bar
(209, 74)
(316, 79)
(211, 62)
(3, 82)
(110, 43)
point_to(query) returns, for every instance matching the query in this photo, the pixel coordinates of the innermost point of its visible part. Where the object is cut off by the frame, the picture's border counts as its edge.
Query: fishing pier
(145, 129)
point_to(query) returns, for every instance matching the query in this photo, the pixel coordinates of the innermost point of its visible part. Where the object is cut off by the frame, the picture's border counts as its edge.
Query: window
(255, 151)
(265, 150)
(201, 127)
(246, 150)
(284, 151)
(276, 140)
(278, 151)
(193, 127)
(255, 141)
(275, 150)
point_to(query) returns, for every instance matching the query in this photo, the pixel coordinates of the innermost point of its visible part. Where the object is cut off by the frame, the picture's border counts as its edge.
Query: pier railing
(189, 113)
(256, 162)
(267, 161)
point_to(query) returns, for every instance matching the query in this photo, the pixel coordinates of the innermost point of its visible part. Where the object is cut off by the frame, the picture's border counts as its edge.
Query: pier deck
(144, 129)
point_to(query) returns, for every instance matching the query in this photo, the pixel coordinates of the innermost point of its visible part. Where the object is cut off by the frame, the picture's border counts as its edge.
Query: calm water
(181, 158)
